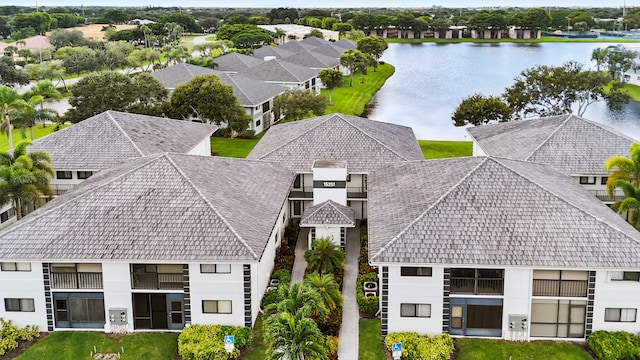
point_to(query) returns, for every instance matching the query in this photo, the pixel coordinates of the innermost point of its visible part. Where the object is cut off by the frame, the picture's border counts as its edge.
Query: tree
(39, 21)
(29, 115)
(115, 16)
(547, 91)
(61, 38)
(440, 26)
(342, 28)
(9, 75)
(331, 79)
(78, 60)
(374, 47)
(624, 173)
(599, 55)
(46, 90)
(187, 21)
(352, 59)
(315, 33)
(209, 100)
(327, 287)
(95, 93)
(296, 104)
(25, 177)
(355, 35)
(619, 60)
(324, 256)
(478, 110)
(9, 100)
(294, 336)
(296, 298)
(139, 57)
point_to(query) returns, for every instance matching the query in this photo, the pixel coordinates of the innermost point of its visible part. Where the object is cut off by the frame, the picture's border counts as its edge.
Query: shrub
(423, 347)
(614, 345)
(271, 297)
(223, 132)
(370, 304)
(10, 334)
(330, 323)
(246, 134)
(332, 347)
(284, 262)
(283, 275)
(204, 342)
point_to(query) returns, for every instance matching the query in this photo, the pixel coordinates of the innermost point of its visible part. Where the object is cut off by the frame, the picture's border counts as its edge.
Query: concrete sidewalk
(348, 344)
(300, 264)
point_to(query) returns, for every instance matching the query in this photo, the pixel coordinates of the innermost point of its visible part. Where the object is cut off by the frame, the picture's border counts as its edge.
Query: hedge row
(206, 342)
(10, 334)
(614, 345)
(422, 347)
(370, 304)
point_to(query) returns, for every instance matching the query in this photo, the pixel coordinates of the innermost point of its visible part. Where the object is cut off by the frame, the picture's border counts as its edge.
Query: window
(415, 271)
(312, 231)
(313, 82)
(587, 180)
(257, 122)
(215, 268)
(560, 283)
(348, 177)
(216, 306)
(558, 318)
(266, 107)
(306, 85)
(604, 179)
(415, 310)
(620, 315)
(15, 266)
(25, 305)
(297, 208)
(79, 310)
(84, 174)
(5, 216)
(477, 281)
(631, 276)
(64, 175)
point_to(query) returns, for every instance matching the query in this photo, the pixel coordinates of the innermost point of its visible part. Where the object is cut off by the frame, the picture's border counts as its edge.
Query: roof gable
(312, 60)
(493, 212)
(281, 71)
(295, 46)
(268, 50)
(329, 50)
(314, 41)
(328, 213)
(234, 62)
(346, 44)
(179, 74)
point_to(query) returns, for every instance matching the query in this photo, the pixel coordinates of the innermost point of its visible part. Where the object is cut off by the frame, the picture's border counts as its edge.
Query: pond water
(431, 79)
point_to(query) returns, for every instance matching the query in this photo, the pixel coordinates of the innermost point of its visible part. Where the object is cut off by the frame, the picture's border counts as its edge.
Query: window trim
(603, 180)
(4, 265)
(215, 271)
(20, 306)
(408, 271)
(85, 174)
(619, 317)
(586, 180)
(415, 310)
(68, 175)
(217, 307)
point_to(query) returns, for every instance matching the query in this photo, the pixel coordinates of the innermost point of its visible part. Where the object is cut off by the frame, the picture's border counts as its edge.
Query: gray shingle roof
(312, 60)
(328, 213)
(179, 74)
(314, 41)
(234, 62)
(106, 139)
(365, 144)
(281, 71)
(329, 50)
(269, 50)
(163, 207)
(295, 46)
(251, 92)
(492, 211)
(346, 44)
(568, 143)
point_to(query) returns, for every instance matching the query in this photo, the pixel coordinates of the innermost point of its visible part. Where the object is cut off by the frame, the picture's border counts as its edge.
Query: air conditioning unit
(370, 286)
(370, 293)
(274, 282)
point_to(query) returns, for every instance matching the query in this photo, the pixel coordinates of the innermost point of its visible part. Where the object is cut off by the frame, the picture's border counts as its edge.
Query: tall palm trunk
(18, 207)
(7, 127)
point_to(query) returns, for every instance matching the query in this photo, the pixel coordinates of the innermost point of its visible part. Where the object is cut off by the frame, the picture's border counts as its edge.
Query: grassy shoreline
(544, 39)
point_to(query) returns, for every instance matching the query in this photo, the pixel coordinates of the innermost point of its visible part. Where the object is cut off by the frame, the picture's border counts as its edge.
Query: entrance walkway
(300, 264)
(348, 344)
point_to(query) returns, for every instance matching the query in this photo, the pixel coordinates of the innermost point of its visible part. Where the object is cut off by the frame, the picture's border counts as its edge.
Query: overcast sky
(328, 3)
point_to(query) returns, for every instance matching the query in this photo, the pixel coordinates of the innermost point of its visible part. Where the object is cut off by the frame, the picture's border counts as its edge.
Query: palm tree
(296, 298)
(625, 174)
(324, 256)
(9, 100)
(24, 178)
(599, 55)
(46, 89)
(294, 337)
(29, 115)
(327, 287)
(352, 59)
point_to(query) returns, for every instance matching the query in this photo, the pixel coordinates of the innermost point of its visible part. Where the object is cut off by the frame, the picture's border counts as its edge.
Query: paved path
(348, 345)
(300, 264)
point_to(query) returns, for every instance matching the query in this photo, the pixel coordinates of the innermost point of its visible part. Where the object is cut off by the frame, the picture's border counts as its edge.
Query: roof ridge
(231, 78)
(606, 128)
(18, 225)
(548, 137)
(371, 136)
(579, 208)
(293, 139)
(215, 210)
(287, 68)
(439, 200)
(124, 132)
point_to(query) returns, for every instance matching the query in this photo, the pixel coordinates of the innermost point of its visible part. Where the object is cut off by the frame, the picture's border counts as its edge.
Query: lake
(432, 79)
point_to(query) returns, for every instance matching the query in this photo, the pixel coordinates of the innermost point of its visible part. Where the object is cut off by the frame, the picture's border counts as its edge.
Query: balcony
(356, 193)
(59, 189)
(76, 280)
(565, 288)
(307, 193)
(157, 281)
(602, 195)
(476, 286)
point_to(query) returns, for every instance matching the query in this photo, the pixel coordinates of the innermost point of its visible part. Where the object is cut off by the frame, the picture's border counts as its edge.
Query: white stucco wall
(415, 290)
(217, 287)
(517, 300)
(202, 148)
(24, 285)
(116, 280)
(477, 151)
(615, 294)
(328, 232)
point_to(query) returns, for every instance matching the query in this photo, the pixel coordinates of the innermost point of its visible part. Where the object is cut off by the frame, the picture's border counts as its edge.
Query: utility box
(118, 316)
(518, 322)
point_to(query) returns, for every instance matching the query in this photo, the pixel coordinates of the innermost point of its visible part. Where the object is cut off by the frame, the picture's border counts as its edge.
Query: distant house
(313, 60)
(491, 247)
(254, 95)
(269, 52)
(286, 74)
(234, 62)
(573, 145)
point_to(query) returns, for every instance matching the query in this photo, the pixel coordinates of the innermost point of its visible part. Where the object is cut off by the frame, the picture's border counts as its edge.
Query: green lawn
(351, 101)
(64, 345)
(259, 347)
(433, 149)
(38, 132)
(237, 148)
(483, 349)
(370, 347)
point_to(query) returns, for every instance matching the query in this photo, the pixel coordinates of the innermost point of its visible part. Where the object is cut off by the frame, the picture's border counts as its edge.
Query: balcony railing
(477, 286)
(76, 280)
(307, 192)
(155, 281)
(59, 189)
(603, 196)
(356, 192)
(569, 288)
